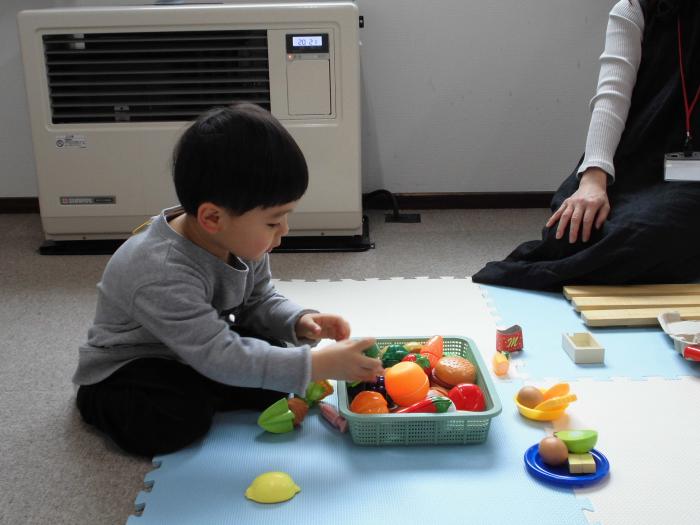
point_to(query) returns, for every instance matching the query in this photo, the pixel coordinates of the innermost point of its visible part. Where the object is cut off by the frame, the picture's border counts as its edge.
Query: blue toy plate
(559, 475)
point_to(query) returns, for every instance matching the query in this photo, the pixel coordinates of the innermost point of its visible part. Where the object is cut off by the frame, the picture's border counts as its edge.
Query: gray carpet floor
(53, 468)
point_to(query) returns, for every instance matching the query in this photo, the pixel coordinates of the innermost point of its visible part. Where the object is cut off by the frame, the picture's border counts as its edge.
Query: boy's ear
(210, 217)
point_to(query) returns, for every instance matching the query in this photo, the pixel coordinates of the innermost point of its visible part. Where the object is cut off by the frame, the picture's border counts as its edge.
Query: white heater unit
(110, 90)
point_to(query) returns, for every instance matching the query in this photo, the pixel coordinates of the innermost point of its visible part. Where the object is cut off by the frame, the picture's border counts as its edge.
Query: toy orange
(369, 402)
(406, 383)
(433, 346)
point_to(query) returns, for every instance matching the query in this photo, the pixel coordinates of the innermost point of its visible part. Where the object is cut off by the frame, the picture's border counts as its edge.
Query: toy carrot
(431, 405)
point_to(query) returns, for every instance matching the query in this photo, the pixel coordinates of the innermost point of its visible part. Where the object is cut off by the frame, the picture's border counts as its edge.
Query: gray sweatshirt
(163, 296)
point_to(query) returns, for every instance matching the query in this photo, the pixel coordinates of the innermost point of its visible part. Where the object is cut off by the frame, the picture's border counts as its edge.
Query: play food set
(509, 339)
(420, 360)
(501, 363)
(369, 402)
(453, 370)
(555, 403)
(560, 475)
(406, 383)
(553, 451)
(422, 420)
(277, 418)
(272, 487)
(429, 405)
(299, 408)
(567, 458)
(578, 441)
(468, 397)
(552, 404)
(331, 414)
(530, 396)
(283, 415)
(316, 391)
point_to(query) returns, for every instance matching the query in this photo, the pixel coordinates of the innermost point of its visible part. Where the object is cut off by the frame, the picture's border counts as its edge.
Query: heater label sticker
(71, 141)
(101, 199)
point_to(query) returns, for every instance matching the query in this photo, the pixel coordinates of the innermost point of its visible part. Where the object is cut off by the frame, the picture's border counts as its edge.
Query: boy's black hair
(239, 157)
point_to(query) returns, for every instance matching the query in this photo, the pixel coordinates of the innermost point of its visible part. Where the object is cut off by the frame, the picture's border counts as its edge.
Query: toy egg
(530, 397)
(553, 451)
(272, 487)
(406, 383)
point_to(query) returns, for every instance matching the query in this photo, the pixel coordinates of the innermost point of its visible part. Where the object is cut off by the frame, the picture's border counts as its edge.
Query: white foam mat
(649, 431)
(406, 307)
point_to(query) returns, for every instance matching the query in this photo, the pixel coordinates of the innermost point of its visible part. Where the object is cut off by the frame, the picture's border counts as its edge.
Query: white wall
(459, 95)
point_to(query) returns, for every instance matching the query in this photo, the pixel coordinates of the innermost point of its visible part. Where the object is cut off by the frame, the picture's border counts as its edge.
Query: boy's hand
(322, 326)
(344, 360)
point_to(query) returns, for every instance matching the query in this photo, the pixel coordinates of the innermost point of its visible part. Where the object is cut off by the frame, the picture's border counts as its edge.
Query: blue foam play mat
(348, 484)
(544, 317)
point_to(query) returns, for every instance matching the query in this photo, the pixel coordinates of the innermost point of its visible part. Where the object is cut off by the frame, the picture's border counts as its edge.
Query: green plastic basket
(448, 428)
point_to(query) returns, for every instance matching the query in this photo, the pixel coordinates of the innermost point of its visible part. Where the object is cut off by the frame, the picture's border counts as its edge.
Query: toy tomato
(420, 360)
(467, 396)
(368, 402)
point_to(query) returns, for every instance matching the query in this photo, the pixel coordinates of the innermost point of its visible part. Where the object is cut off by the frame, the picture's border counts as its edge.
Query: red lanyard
(688, 107)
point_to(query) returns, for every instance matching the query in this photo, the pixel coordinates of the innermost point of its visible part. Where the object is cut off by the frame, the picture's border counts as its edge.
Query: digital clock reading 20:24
(307, 43)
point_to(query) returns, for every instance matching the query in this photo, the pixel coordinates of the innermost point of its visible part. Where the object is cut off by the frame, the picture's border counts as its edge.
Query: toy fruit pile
(418, 378)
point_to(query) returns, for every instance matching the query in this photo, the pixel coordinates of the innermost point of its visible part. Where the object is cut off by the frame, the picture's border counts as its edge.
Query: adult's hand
(589, 205)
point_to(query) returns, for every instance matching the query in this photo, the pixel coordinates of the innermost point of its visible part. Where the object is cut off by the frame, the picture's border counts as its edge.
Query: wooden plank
(635, 316)
(632, 289)
(634, 301)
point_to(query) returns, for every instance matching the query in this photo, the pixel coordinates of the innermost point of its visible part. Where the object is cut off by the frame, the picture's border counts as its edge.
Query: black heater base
(327, 243)
(290, 244)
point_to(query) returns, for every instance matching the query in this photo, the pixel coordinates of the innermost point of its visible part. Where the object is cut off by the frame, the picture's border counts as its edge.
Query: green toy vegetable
(316, 391)
(393, 354)
(277, 418)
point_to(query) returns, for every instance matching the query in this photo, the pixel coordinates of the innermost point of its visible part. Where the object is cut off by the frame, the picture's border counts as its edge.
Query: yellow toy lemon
(272, 487)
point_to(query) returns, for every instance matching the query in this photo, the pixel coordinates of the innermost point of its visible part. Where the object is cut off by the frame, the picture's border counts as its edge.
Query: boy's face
(251, 235)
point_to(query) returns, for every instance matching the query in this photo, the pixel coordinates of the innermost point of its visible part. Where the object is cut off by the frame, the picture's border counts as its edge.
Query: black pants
(156, 406)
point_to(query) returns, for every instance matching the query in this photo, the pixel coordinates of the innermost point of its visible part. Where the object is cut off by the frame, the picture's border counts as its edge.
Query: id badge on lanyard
(679, 167)
(685, 165)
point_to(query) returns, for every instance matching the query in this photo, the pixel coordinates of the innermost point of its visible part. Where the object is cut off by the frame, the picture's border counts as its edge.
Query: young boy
(187, 321)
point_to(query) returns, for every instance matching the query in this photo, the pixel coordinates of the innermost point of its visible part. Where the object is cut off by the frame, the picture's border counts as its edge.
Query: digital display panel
(307, 43)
